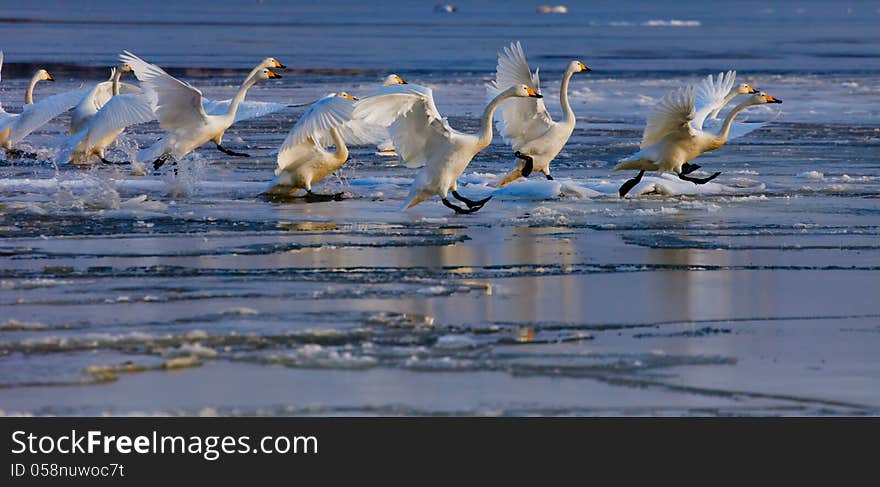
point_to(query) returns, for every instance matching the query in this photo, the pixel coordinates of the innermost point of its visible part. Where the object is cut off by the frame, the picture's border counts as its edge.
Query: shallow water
(754, 294)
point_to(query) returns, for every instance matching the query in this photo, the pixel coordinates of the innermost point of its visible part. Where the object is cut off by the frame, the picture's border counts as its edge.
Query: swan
(180, 110)
(303, 158)
(16, 126)
(99, 96)
(526, 124)
(136, 107)
(386, 147)
(674, 132)
(423, 137)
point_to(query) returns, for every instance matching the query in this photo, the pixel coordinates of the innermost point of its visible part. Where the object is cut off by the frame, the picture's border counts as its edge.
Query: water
(754, 294)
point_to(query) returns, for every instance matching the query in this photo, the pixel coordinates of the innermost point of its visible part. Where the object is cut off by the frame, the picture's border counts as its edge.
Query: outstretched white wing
(711, 95)
(329, 112)
(412, 119)
(35, 116)
(520, 120)
(178, 104)
(118, 113)
(672, 114)
(246, 110)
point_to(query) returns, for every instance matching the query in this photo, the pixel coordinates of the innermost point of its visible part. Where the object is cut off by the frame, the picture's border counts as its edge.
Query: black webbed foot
(698, 180)
(317, 198)
(630, 184)
(230, 152)
(688, 168)
(457, 208)
(160, 161)
(549, 177)
(529, 163)
(469, 202)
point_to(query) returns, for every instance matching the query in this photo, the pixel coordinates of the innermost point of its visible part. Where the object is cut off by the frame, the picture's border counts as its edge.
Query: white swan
(303, 158)
(674, 132)
(386, 147)
(136, 107)
(16, 126)
(526, 124)
(423, 137)
(179, 108)
(99, 96)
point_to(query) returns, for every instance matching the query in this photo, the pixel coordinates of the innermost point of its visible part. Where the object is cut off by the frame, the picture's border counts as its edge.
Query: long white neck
(563, 98)
(116, 75)
(727, 99)
(728, 120)
(341, 153)
(239, 97)
(485, 134)
(29, 94)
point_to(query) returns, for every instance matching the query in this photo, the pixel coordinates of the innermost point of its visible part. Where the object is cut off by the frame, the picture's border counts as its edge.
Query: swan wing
(118, 113)
(3, 113)
(710, 95)
(40, 113)
(520, 120)
(178, 104)
(412, 119)
(327, 113)
(246, 110)
(672, 114)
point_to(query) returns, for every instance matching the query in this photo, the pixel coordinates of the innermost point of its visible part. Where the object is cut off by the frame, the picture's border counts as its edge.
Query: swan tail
(152, 152)
(636, 164)
(415, 197)
(280, 185)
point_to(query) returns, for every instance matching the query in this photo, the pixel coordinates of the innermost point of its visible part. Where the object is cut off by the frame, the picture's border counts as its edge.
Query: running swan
(99, 96)
(16, 126)
(674, 132)
(181, 113)
(423, 137)
(303, 158)
(526, 124)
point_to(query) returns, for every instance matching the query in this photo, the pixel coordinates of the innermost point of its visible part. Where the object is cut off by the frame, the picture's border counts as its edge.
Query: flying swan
(526, 124)
(674, 132)
(423, 137)
(181, 113)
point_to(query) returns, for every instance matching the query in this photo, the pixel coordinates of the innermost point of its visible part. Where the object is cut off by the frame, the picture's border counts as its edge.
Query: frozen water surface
(755, 294)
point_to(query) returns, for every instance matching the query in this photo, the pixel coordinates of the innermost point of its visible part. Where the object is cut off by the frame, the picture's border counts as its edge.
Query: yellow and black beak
(584, 67)
(533, 94)
(279, 65)
(346, 95)
(401, 80)
(770, 99)
(752, 91)
(49, 77)
(274, 75)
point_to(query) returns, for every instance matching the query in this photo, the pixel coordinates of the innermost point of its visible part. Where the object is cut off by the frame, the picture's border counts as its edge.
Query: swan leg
(231, 153)
(316, 197)
(689, 168)
(698, 180)
(18, 153)
(161, 161)
(630, 184)
(529, 163)
(105, 161)
(457, 208)
(549, 177)
(469, 202)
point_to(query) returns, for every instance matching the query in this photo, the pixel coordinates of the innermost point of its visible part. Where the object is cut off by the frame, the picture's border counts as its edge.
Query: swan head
(393, 79)
(266, 73)
(271, 62)
(761, 98)
(578, 67)
(43, 75)
(745, 89)
(124, 68)
(524, 92)
(343, 94)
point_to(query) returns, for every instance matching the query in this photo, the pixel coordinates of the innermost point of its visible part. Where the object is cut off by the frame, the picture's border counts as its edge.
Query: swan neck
(728, 120)
(727, 99)
(341, 149)
(486, 133)
(116, 75)
(29, 94)
(563, 97)
(239, 97)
